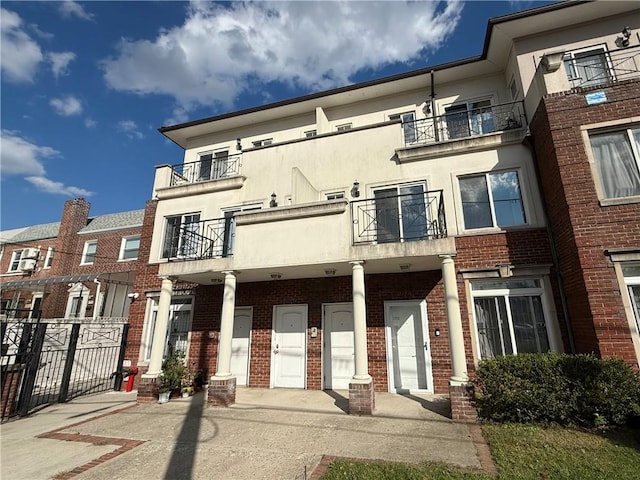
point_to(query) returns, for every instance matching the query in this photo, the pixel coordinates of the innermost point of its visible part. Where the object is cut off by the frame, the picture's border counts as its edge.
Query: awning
(35, 282)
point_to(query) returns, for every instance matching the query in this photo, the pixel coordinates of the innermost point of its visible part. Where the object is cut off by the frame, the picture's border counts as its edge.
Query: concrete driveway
(267, 434)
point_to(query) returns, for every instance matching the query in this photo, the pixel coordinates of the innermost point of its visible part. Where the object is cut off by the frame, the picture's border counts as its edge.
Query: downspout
(554, 253)
(96, 303)
(436, 134)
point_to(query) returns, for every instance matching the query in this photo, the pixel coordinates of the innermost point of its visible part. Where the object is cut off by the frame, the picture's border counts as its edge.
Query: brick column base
(221, 393)
(361, 398)
(147, 390)
(463, 405)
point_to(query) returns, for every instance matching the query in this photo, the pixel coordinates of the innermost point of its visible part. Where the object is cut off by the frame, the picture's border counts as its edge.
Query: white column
(454, 321)
(226, 326)
(360, 324)
(160, 331)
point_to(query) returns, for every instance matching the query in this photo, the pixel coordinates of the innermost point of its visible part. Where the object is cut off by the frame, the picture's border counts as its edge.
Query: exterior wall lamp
(355, 190)
(274, 201)
(626, 34)
(238, 145)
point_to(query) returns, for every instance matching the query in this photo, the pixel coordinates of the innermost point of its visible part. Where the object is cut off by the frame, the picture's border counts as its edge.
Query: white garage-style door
(240, 344)
(408, 357)
(338, 352)
(289, 346)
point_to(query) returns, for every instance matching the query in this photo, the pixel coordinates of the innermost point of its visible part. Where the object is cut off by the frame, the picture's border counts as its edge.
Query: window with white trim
(616, 155)
(588, 66)
(310, 133)
(89, 252)
(514, 91)
(344, 127)
(631, 273)
(48, 259)
(178, 327)
(408, 126)
(492, 199)
(14, 264)
(334, 195)
(214, 165)
(263, 143)
(401, 213)
(181, 238)
(509, 317)
(471, 118)
(129, 248)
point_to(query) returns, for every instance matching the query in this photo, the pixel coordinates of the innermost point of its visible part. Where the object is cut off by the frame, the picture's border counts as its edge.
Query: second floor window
(586, 67)
(491, 200)
(408, 126)
(617, 159)
(89, 252)
(344, 127)
(214, 165)
(129, 248)
(48, 260)
(263, 143)
(14, 265)
(181, 236)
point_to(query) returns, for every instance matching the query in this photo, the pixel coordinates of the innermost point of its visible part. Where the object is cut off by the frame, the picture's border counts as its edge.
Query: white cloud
(90, 122)
(130, 129)
(19, 156)
(21, 55)
(66, 106)
(49, 186)
(60, 62)
(221, 51)
(70, 9)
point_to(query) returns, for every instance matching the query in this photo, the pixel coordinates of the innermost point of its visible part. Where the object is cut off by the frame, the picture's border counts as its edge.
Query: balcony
(598, 67)
(464, 121)
(200, 240)
(206, 169)
(398, 218)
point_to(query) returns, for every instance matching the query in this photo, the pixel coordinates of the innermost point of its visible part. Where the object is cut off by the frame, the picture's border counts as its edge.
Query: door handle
(426, 346)
(276, 350)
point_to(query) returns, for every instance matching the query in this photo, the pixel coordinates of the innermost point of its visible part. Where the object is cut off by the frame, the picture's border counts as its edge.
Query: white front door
(240, 345)
(409, 361)
(339, 363)
(289, 346)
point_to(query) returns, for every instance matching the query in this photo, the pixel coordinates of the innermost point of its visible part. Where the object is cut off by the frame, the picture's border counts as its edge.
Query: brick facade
(583, 229)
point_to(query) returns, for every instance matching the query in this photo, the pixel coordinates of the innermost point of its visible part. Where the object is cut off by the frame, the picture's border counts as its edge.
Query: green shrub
(557, 388)
(174, 371)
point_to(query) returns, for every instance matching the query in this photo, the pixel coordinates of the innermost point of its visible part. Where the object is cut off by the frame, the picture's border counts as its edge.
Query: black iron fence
(464, 122)
(49, 361)
(598, 67)
(201, 240)
(399, 218)
(209, 167)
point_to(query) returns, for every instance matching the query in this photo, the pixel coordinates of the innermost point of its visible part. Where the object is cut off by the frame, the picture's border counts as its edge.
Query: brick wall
(583, 229)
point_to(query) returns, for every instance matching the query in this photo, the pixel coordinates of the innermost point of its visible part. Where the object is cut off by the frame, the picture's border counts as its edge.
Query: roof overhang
(36, 282)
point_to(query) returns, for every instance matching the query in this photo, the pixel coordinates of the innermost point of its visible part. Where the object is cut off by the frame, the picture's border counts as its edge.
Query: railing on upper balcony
(597, 67)
(200, 240)
(463, 121)
(209, 167)
(406, 217)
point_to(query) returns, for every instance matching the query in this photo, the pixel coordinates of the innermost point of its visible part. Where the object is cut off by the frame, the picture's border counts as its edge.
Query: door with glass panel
(213, 165)
(401, 213)
(229, 233)
(469, 119)
(510, 318)
(182, 236)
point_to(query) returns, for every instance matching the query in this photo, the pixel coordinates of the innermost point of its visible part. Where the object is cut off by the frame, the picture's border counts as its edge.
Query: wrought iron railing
(205, 169)
(200, 240)
(602, 67)
(399, 218)
(464, 123)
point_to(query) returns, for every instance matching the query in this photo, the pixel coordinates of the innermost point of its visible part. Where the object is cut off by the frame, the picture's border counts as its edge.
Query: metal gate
(54, 361)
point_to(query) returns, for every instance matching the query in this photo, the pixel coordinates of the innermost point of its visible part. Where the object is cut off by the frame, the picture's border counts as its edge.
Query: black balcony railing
(464, 122)
(200, 240)
(207, 168)
(399, 218)
(597, 67)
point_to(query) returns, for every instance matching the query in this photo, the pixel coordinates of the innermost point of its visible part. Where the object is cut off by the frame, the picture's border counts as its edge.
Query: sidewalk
(270, 434)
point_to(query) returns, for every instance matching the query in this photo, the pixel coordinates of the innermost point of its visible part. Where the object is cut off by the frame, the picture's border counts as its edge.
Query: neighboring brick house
(80, 267)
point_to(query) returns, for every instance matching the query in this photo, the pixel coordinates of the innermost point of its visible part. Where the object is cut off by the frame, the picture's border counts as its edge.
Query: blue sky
(85, 85)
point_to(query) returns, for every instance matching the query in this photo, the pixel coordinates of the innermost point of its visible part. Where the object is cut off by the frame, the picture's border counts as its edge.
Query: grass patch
(523, 452)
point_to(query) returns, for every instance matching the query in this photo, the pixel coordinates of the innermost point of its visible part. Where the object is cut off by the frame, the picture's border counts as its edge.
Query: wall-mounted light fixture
(626, 34)
(405, 267)
(275, 276)
(274, 200)
(355, 190)
(133, 296)
(330, 272)
(238, 145)
(216, 281)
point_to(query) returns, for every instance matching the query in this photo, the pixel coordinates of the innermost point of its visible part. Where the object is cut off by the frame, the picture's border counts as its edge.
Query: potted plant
(174, 371)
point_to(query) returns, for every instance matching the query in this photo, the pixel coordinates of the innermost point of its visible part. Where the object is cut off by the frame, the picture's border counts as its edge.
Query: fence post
(68, 364)
(117, 384)
(26, 392)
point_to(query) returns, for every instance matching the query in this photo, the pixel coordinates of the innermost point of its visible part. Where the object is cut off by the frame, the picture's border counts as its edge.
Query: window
(513, 88)
(468, 119)
(214, 165)
(14, 264)
(588, 66)
(492, 200)
(230, 227)
(263, 143)
(333, 195)
(48, 260)
(509, 317)
(310, 133)
(631, 274)
(344, 127)
(617, 160)
(177, 329)
(89, 252)
(401, 213)
(408, 126)
(181, 236)
(129, 248)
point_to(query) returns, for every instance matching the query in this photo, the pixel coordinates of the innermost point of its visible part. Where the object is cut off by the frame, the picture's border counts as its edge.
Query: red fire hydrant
(132, 373)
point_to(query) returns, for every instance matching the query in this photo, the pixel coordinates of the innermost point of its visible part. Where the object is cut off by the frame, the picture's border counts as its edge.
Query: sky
(86, 85)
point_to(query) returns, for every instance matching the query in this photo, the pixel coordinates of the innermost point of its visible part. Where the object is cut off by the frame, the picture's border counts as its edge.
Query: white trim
(428, 361)
(625, 283)
(250, 313)
(48, 259)
(85, 249)
(122, 247)
(83, 293)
